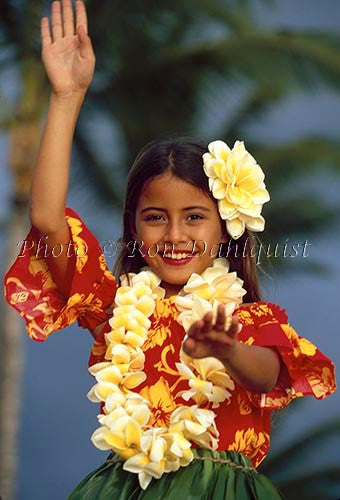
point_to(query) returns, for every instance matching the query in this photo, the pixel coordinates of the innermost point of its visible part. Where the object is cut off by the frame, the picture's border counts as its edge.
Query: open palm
(66, 48)
(206, 338)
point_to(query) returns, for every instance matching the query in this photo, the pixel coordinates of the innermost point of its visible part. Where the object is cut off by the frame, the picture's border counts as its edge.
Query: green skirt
(217, 475)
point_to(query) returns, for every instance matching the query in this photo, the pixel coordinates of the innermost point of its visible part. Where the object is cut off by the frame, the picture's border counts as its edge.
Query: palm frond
(297, 451)
(299, 215)
(283, 161)
(301, 57)
(261, 99)
(236, 17)
(316, 484)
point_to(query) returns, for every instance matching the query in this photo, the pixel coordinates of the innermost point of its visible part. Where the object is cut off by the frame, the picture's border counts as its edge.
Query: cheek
(218, 236)
(149, 236)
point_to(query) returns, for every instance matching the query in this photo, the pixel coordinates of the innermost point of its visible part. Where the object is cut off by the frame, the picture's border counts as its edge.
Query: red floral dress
(244, 420)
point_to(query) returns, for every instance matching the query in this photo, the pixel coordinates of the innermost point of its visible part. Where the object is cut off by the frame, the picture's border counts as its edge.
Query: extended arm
(255, 368)
(69, 62)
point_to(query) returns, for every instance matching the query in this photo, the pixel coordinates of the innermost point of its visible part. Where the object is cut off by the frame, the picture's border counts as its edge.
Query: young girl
(188, 361)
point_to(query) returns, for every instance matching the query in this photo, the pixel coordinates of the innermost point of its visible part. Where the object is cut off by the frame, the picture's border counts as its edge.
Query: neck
(171, 290)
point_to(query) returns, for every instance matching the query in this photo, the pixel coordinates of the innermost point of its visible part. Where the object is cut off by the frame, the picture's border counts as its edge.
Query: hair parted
(182, 157)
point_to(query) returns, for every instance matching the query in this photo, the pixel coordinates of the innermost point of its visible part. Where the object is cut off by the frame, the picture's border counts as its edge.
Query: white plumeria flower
(208, 381)
(237, 182)
(179, 453)
(98, 440)
(150, 462)
(205, 292)
(108, 377)
(148, 277)
(196, 424)
(123, 435)
(133, 404)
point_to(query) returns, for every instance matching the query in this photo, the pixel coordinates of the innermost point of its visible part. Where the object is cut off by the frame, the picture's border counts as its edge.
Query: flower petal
(115, 440)
(146, 305)
(136, 463)
(98, 440)
(133, 433)
(144, 480)
(219, 149)
(218, 189)
(235, 228)
(134, 379)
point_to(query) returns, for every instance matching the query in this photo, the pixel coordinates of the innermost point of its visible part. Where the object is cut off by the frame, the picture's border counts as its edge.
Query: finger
(189, 345)
(195, 328)
(235, 327)
(197, 349)
(45, 32)
(220, 319)
(85, 48)
(207, 322)
(81, 16)
(68, 17)
(57, 27)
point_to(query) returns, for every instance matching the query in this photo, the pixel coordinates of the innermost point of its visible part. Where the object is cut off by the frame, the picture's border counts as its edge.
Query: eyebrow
(195, 207)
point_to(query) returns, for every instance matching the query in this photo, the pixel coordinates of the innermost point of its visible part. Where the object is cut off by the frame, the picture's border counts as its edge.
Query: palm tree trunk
(11, 367)
(24, 141)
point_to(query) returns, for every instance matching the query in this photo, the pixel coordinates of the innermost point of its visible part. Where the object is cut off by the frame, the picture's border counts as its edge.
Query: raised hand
(67, 51)
(205, 339)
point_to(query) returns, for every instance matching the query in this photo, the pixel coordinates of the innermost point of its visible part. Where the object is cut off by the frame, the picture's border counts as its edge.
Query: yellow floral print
(248, 442)
(300, 345)
(261, 309)
(156, 336)
(165, 312)
(76, 304)
(36, 266)
(249, 341)
(245, 317)
(321, 382)
(102, 262)
(80, 246)
(244, 405)
(22, 295)
(162, 402)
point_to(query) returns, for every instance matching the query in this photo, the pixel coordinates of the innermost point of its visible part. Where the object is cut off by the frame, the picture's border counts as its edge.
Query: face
(178, 229)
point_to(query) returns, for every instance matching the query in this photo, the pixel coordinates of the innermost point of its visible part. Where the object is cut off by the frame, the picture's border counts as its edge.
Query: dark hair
(182, 157)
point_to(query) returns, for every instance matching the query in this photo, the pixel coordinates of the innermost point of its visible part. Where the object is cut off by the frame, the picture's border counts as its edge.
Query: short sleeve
(30, 289)
(304, 369)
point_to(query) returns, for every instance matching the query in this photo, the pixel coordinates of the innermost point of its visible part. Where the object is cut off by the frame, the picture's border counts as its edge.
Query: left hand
(205, 339)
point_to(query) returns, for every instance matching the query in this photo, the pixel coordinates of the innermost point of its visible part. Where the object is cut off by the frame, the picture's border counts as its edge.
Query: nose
(175, 233)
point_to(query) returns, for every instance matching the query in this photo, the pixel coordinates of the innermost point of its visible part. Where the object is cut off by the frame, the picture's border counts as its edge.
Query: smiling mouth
(178, 258)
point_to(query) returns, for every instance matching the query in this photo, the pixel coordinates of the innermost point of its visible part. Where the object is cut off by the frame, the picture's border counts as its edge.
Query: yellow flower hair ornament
(125, 425)
(237, 183)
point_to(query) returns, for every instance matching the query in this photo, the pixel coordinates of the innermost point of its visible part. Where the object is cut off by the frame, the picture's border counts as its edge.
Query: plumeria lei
(125, 425)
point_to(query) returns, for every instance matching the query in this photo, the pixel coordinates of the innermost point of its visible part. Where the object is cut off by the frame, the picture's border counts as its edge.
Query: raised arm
(69, 61)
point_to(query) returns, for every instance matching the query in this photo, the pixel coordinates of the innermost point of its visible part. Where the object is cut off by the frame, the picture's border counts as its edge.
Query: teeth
(177, 256)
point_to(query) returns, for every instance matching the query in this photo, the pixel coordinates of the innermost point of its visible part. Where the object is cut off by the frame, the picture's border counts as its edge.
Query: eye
(155, 217)
(195, 217)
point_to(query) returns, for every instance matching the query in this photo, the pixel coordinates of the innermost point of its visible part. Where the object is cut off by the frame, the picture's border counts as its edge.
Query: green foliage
(295, 470)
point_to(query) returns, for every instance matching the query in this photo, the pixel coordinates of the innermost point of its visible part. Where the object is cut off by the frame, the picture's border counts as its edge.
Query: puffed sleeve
(304, 369)
(30, 289)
